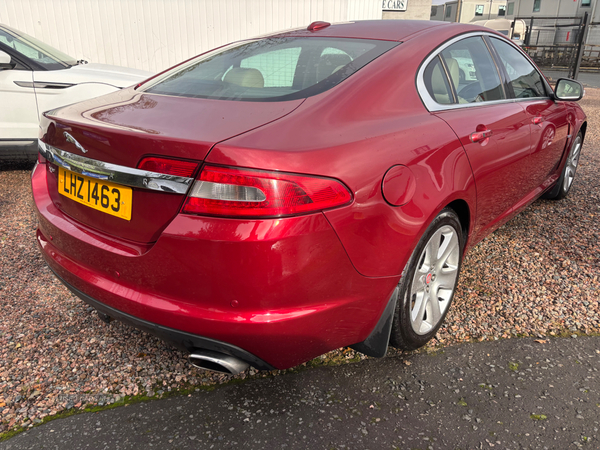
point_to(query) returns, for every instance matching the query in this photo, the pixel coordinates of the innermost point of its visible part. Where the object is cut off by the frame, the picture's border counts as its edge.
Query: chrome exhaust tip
(217, 362)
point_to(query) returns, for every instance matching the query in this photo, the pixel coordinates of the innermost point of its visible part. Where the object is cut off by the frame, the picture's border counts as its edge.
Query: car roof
(387, 30)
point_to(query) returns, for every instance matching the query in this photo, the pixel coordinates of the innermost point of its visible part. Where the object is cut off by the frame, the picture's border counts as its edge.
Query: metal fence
(556, 42)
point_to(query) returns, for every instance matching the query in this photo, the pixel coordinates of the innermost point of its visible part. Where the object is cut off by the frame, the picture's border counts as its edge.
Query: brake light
(168, 166)
(227, 191)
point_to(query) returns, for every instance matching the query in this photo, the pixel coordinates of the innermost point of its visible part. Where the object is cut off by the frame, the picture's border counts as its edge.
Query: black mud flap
(376, 344)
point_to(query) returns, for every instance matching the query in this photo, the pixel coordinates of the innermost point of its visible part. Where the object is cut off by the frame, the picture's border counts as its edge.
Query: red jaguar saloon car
(280, 197)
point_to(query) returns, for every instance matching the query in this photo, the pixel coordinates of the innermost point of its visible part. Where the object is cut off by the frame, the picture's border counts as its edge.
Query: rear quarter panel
(355, 132)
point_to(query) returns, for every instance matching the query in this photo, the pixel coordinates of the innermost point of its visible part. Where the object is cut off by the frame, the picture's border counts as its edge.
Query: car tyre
(564, 183)
(428, 283)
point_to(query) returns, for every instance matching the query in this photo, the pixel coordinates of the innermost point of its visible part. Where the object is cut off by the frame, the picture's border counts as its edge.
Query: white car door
(18, 108)
(57, 88)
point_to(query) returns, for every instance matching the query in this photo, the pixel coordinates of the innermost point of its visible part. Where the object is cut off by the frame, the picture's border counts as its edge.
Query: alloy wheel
(434, 280)
(571, 164)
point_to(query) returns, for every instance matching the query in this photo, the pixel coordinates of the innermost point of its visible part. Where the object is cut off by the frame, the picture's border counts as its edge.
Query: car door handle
(537, 120)
(479, 136)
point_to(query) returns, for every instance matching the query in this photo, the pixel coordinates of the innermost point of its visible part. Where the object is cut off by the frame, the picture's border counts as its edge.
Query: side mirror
(5, 61)
(569, 90)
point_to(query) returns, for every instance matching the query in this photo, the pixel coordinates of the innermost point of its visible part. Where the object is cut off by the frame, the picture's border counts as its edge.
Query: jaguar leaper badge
(73, 141)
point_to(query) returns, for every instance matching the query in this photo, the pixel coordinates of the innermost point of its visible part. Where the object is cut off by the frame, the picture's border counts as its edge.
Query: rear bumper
(184, 341)
(282, 291)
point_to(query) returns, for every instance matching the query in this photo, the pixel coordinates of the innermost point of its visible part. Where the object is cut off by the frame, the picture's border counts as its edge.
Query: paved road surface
(588, 79)
(513, 394)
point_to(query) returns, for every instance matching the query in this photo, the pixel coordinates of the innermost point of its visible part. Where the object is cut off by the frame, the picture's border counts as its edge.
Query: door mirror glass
(5, 61)
(569, 90)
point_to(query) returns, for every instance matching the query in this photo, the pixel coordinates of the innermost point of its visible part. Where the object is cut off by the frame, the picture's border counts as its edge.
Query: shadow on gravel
(16, 165)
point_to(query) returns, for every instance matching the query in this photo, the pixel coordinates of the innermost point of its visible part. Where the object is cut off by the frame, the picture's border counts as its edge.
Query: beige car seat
(245, 77)
(454, 71)
(452, 65)
(438, 85)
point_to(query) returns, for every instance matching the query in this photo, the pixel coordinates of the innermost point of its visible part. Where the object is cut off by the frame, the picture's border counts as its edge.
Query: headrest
(454, 71)
(245, 77)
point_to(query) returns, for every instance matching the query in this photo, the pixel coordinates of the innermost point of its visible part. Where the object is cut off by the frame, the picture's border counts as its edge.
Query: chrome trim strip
(25, 84)
(433, 106)
(43, 84)
(115, 173)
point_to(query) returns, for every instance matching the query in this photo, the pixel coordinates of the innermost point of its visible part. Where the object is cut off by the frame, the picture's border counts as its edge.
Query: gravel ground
(536, 276)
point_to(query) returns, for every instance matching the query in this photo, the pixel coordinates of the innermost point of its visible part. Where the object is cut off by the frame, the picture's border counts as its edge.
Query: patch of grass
(11, 433)
(124, 401)
(565, 333)
(538, 416)
(462, 402)
(513, 366)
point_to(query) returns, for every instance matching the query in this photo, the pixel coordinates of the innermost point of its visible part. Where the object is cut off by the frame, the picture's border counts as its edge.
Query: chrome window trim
(433, 106)
(126, 176)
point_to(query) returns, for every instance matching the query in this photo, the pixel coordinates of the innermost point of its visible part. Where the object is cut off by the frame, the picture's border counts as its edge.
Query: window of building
(511, 9)
(448, 11)
(586, 2)
(536, 5)
(434, 11)
(502, 10)
(479, 10)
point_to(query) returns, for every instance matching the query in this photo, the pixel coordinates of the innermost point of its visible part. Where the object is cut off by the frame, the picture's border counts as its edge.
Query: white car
(35, 77)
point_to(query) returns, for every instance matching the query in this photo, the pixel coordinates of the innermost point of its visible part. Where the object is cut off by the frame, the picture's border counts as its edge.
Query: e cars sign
(394, 5)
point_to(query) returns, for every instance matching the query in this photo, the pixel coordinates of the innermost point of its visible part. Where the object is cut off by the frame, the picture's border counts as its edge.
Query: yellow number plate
(104, 196)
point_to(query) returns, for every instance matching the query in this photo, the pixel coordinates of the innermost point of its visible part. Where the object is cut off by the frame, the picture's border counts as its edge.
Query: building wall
(544, 35)
(415, 10)
(450, 11)
(468, 10)
(439, 12)
(490, 10)
(156, 34)
(551, 8)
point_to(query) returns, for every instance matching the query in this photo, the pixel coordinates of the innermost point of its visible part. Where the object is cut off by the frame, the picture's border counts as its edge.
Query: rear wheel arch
(463, 211)
(422, 301)
(583, 129)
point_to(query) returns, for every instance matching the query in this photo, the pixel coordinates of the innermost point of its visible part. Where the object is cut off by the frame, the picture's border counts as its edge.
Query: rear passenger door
(547, 118)
(463, 86)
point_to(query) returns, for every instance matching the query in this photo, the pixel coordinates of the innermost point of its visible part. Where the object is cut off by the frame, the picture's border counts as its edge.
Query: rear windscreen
(272, 69)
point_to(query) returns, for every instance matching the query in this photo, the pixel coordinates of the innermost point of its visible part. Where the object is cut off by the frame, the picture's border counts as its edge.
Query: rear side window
(272, 69)
(473, 71)
(525, 80)
(436, 83)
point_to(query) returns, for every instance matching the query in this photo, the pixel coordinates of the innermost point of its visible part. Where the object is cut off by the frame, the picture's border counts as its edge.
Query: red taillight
(168, 166)
(41, 159)
(234, 192)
